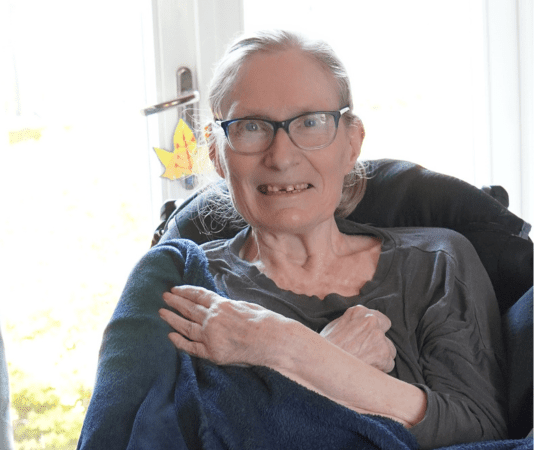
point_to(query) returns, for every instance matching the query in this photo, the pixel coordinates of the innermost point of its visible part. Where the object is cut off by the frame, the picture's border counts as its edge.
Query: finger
(392, 348)
(383, 321)
(386, 362)
(196, 294)
(186, 307)
(190, 330)
(193, 348)
(329, 326)
(390, 366)
(362, 311)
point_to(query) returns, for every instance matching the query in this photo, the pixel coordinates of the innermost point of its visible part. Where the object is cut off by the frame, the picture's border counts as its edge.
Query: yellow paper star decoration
(187, 158)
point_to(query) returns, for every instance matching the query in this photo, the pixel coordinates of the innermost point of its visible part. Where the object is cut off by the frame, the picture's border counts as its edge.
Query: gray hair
(226, 74)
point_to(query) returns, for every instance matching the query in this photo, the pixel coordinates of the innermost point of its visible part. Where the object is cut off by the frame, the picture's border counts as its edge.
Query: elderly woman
(401, 323)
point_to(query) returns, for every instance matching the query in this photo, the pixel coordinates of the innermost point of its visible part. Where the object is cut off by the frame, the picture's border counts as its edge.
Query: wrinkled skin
(233, 332)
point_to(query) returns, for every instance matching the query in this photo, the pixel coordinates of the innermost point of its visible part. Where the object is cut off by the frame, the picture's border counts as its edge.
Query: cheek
(242, 194)
(220, 162)
(232, 178)
(334, 172)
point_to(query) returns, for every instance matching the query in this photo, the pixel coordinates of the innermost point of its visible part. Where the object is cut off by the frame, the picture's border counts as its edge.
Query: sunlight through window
(75, 194)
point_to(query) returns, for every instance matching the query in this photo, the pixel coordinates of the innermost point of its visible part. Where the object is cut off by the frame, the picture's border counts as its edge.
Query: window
(445, 84)
(75, 188)
(437, 83)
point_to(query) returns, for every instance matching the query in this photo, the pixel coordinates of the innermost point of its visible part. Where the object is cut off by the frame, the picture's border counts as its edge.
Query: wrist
(295, 347)
(281, 339)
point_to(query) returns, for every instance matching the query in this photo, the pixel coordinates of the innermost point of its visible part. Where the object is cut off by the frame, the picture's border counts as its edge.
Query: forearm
(307, 358)
(233, 332)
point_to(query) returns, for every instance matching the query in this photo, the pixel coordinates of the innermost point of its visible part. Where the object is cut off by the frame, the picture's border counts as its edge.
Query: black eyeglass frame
(224, 124)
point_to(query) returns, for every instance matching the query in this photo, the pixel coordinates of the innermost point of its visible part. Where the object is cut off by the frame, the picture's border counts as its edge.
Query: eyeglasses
(309, 131)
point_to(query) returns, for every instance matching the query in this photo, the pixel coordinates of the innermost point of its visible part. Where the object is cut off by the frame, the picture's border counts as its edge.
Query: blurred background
(446, 84)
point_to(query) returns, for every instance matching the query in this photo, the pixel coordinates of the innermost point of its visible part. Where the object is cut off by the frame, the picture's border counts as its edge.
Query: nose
(282, 153)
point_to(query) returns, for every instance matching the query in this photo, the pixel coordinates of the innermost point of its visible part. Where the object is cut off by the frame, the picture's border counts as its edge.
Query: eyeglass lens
(307, 132)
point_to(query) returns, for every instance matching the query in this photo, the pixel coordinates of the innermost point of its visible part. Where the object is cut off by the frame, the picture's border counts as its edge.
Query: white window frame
(504, 136)
(191, 33)
(510, 54)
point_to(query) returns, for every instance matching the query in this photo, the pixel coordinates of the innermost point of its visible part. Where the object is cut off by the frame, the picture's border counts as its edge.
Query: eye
(312, 121)
(251, 126)
(249, 129)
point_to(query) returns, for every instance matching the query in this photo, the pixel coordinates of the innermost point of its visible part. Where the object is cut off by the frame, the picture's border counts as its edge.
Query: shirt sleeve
(460, 352)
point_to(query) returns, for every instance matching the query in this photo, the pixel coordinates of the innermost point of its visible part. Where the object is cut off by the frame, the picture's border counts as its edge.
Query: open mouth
(268, 189)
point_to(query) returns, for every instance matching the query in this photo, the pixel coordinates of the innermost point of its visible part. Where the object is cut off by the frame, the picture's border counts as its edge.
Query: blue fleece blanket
(148, 395)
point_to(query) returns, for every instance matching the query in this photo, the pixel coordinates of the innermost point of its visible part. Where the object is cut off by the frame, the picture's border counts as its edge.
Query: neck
(307, 249)
(315, 262)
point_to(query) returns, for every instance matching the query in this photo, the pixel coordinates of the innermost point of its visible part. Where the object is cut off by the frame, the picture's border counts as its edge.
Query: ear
(356, 135)
(213, 151)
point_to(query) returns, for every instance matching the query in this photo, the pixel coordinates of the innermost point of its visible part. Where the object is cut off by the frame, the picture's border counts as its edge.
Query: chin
(288, 222)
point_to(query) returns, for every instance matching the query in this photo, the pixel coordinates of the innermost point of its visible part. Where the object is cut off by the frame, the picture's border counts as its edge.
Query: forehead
(279, 85)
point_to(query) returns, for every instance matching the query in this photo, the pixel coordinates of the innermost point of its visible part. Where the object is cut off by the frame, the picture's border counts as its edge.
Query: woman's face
(278, 86)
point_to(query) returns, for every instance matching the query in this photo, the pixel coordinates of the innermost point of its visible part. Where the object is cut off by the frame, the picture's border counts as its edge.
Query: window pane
(75, 196)
(415, 70)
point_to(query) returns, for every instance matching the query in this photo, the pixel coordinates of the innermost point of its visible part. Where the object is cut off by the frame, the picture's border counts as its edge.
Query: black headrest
(403, 194)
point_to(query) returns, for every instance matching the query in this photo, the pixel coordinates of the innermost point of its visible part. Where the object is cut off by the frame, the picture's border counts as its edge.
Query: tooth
(291, 188)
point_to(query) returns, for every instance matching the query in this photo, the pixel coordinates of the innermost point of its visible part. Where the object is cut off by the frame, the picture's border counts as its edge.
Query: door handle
(187, 100)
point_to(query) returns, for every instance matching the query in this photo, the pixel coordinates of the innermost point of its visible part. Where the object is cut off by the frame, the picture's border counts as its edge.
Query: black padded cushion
(403, 194)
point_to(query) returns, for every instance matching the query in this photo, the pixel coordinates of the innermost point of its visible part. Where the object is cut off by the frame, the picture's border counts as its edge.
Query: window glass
(75, 190)
(416, 72)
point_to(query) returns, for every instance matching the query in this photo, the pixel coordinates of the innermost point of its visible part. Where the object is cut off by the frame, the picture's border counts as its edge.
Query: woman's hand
(362, 333)
(234, 332)
(221, 330)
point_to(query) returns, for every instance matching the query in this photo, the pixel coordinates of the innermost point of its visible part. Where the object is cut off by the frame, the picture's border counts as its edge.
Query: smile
(268, 189)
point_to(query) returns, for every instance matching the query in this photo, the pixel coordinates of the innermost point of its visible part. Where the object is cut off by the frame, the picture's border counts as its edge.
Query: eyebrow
(253, 116)
(265, 117)
(249, 112)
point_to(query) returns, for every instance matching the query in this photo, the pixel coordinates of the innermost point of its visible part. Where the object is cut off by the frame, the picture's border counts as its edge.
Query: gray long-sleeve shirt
(445, 322)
